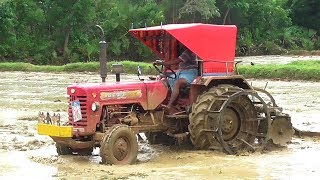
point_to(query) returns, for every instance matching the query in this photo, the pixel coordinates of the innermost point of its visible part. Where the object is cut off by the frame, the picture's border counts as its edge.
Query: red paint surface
(155, 90)
(214, 44)
(153, 93)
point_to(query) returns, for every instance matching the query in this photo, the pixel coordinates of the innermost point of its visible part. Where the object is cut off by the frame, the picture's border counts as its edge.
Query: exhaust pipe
(103, 56)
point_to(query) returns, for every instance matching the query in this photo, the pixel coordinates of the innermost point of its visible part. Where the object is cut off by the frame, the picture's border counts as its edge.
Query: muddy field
(23, 153)
(274, 59)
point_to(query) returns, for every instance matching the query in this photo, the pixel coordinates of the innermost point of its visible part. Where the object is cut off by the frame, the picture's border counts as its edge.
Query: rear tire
(197, 118)
(119, 146)
(232, 129)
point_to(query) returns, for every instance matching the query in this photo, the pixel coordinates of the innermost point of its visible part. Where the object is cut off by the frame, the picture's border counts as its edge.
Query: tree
(7, 23)
(206, 8)
(68, 19)
(29, 29)
(59, 31)
(261, 23)
(127, 13)
(305, 13)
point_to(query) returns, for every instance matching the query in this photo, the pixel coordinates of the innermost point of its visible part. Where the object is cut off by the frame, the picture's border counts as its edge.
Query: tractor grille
(83, 106)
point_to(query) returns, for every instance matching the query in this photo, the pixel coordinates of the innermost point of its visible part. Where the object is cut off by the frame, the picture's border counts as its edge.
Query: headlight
(95, 106)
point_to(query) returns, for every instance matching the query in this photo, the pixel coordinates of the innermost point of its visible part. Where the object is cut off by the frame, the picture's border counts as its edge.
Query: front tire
(119, 146)
(63, 149)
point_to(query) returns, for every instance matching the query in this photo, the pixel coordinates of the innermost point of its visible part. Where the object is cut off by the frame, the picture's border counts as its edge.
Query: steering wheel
(160, 62)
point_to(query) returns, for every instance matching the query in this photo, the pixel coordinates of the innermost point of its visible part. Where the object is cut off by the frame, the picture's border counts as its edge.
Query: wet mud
(274, 59)
(23, 153)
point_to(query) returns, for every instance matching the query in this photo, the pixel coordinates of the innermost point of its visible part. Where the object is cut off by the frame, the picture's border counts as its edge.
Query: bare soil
(23, 153)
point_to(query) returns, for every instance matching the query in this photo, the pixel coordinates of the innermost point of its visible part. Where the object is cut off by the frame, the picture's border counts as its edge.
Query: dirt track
(25, 154)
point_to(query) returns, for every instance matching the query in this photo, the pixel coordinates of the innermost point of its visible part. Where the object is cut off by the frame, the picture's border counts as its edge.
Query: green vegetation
(297, 70)
(130, 67)
(58, 32)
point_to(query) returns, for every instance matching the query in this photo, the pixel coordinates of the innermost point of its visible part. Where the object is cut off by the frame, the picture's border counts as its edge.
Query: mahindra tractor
(219, 111)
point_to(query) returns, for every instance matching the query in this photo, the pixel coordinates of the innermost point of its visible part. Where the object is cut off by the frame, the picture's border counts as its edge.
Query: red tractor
(219, 111)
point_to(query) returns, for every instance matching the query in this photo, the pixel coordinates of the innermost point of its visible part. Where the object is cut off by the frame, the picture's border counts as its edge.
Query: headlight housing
(95, 106)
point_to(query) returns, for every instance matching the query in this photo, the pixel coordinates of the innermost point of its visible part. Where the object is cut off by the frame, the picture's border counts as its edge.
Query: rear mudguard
(203, 83)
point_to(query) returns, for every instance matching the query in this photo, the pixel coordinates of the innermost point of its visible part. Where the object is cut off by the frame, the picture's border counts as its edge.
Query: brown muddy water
(23, 153)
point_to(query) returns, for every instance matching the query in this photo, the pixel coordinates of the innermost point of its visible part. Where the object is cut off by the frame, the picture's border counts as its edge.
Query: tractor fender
(203, 83)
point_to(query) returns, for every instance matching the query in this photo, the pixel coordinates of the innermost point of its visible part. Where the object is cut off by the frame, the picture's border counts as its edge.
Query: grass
(297, 70)
(130, 67)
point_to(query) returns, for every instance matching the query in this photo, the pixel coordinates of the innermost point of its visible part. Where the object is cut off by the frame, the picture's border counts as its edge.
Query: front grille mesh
(83, 106)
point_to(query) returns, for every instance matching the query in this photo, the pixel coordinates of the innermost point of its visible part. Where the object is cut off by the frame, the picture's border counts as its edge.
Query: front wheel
(63, 149)
(119, 146)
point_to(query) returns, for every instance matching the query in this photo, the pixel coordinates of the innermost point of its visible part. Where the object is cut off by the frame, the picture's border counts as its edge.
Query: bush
(296, 37)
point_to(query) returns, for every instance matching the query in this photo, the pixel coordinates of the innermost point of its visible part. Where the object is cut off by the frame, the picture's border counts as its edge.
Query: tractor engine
(124, 114)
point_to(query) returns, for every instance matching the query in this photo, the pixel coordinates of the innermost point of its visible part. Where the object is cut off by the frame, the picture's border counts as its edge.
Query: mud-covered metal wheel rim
(121, 148)
(224, 118)
(240, 112)
(231, 124)
(250, 136)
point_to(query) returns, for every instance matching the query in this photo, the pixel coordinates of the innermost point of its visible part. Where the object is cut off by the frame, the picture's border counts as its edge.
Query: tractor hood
(211, 43)
(149, 94)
